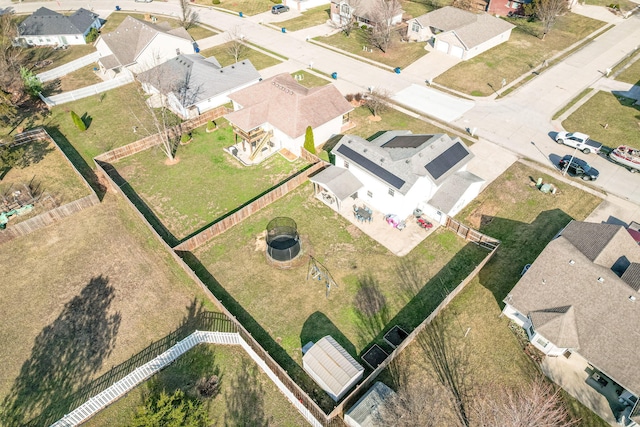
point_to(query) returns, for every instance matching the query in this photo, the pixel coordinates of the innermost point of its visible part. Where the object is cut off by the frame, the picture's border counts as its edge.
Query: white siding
(470, 194)
(499, 39)
(162, 48)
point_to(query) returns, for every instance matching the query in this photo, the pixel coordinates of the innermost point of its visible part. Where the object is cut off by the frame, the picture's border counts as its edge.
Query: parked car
(279, 8)
(579, 168)
(580, 141)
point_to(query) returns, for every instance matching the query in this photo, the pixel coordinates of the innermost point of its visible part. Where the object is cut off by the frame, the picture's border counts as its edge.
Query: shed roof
(332, 364)
(363, 413)
(46, 22)
(339, 181)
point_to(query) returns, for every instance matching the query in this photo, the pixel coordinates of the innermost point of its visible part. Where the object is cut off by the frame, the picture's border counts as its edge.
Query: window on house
(345, 9)
(345, 118)
(346, 164)
(415, 27)
(391, 192)
(369, 194)
(542, 342)
(178, 51)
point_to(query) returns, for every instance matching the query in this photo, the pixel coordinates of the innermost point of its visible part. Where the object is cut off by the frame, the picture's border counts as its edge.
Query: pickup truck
(580, 141)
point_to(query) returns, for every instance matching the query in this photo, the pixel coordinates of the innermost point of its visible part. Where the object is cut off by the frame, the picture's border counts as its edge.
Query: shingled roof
(287, 105)
(575, 299)
(132, 36)
(46, 22)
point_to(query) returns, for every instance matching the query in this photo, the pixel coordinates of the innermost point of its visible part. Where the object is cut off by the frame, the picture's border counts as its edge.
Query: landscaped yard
(632, 73)
(310, 18)
(247, 7)
(246, 397)
(197, 32)
(284, 310)
(525, 50)
(224, 57)
(397, 55)
(78, 298)
(605, 108)
(205, 184)
(309, 80)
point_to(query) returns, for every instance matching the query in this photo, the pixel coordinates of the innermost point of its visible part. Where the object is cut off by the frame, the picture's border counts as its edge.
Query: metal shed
(332, 367)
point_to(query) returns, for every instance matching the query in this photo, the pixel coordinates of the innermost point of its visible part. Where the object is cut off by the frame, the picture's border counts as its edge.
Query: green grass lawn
(310, 18)
(247, 7)
(398, 54)
(258, 59)
(205, 184)
(197, 32)
(632, 73)
(310, 80)
(620, 113)
(246, 397)
(625, 5)
(419, 8)
(524, 51)
(77, 79)
(233, 265)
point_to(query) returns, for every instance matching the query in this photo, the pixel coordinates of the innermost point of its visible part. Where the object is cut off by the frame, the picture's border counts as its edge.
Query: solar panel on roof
(445, 161)
(375, 169)
(407, 141)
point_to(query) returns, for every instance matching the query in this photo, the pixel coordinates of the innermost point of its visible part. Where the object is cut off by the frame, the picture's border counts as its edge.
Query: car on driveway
(279, 8)
(578, 168)
(578, 140)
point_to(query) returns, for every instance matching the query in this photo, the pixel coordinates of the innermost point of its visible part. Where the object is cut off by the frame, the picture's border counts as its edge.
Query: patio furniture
(362, 214)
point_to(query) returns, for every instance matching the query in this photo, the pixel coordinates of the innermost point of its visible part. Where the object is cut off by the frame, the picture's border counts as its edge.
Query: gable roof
(132, 36)
(339, 181)
(364, 411)
(399, 158)
(332, 365)
(46, 22)
(366, 9)
(205, 77)
(452, 189)
(287, 105)
(562, 294)
(472, 29)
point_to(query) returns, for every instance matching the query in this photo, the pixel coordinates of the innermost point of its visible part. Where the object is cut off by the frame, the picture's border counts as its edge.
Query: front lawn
(309, 80)
(224, 57)
(397, 55)
(310, 18)
(617, 113)
(247, 7)
(197, 32)
(525, 50)
(632, 73)
(205, 184)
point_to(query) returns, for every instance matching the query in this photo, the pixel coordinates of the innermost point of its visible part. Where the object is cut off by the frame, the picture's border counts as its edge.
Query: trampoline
(283, 242)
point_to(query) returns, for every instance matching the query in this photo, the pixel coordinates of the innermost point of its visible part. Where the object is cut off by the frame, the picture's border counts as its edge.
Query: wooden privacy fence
(53, 215)
(153, 140)
(472, 235)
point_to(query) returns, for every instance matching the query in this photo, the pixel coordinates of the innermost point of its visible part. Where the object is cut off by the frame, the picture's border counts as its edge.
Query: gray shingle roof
(365, 409)
(339, 181)
(46, 22)
(404, 162)
(366, 9)
(287, 105)
(205, 77)
(452, 189)
(472, 29)
(558, 325)
(605, 316)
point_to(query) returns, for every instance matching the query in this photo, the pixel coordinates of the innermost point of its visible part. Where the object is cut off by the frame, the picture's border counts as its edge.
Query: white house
(193, 84)
(304, 5)
(578, 300)
(399, 172)
(364, 412)
(275, 113)
(329, 364)
(139, 46)
(365, 12)
(44, 27)
(458, 32)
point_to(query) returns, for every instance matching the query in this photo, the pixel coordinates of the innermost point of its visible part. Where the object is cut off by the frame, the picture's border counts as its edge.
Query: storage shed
(332, 367)
(363, 413)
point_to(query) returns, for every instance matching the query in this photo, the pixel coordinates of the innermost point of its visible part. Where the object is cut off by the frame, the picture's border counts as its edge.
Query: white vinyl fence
(85, 92)
(67, 68)
(146, 371)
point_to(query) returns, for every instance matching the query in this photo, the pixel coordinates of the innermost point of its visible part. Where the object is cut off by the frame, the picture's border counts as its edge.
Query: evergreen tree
(309, 144)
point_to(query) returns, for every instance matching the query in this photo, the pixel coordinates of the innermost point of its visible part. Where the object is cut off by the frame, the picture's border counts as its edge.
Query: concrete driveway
(433, 102)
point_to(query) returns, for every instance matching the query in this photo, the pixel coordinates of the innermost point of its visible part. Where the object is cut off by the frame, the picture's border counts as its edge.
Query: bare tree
(547, 11)
(236, 46)
(539, 404)
(347, 16)
(380, 33)
(416, 403)
(378, 101)
(10, 55)
(464, 4)
(188, 16)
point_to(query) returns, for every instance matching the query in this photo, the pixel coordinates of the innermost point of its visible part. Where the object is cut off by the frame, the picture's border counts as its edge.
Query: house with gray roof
(193, 84)
(275, 113)
(44, 27)
(365, 12)
(578, 299)
(458, 32)
(398, 172)
(138, 46)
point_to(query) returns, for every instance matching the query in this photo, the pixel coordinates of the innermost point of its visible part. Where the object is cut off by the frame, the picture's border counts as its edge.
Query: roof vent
(382, 160)
(601, 279)
(407, 161)
(544, 282)
(571, 262)
(632, 298)
(365, 150)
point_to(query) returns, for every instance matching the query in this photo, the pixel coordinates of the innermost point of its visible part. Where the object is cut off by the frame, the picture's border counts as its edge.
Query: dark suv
(578, 167)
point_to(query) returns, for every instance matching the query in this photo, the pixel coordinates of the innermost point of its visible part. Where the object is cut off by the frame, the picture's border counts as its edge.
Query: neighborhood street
(520, 122)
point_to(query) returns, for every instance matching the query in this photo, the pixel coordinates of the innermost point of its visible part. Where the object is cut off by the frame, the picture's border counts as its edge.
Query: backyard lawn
(90, 291)
(197, 32)
(397, 55)
(284, 310)
(258, 59)
(205, 184)
(310, 18)
(525, 50)
(246, 396)
(77, 79)
(55, 57)
(605, 108)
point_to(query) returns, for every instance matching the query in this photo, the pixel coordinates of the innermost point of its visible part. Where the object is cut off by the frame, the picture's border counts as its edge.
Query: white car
(578, 140)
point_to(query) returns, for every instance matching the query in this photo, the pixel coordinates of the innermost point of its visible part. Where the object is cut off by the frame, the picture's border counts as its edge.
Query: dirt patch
(261, 243)
(374, 118)
(170, 162)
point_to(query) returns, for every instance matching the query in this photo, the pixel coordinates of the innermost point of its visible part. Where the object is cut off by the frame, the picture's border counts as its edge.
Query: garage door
(442, 46)
(456, 51)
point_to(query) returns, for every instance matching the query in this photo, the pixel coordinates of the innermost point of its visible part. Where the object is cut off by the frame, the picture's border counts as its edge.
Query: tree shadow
(26, 155)
(371, 309)
(245, 400)
(318, 326)
(87, 119)
(65, 355)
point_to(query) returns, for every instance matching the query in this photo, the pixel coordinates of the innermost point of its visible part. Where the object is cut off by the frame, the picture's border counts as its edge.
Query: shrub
(92, 35)
(309, 144)
(211, 125)
(358, 97)
(364, 27)
(349, 97)
(215, 1)
(185, 137)
(276, 1)
(77, 120)
(32, 85)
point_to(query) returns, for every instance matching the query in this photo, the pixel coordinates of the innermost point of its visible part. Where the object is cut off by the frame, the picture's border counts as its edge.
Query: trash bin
(397, 70)
(117, 7)
(334, 75)
(197, 49)
(283, 29)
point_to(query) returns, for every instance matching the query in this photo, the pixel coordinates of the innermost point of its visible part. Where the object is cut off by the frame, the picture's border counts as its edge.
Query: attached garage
(442, 46)
(456, 51)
